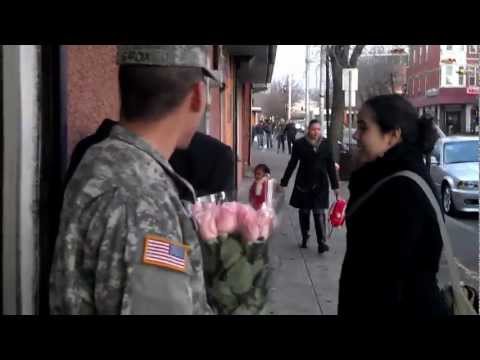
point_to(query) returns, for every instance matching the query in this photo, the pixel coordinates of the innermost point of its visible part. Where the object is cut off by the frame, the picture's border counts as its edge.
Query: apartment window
(426, 51)
(414, 55)
(449, 75)
(472, 49)
(449, 47)
(420, 54)
(419, 86)
(471, 75)
(478, 76)
(460, 80)
(461, 48)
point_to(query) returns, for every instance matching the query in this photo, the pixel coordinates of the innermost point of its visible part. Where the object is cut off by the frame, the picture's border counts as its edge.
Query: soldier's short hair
(148, 92)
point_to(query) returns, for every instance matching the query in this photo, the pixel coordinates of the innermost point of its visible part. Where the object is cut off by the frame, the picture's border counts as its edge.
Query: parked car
(454, 170)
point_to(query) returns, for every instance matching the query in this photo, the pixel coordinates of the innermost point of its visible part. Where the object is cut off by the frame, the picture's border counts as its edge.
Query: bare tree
(381, 74)
(341, 56)
(275, 101)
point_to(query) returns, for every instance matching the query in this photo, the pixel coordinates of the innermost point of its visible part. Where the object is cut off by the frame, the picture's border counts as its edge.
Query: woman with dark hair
(393, 238)
(312, 186)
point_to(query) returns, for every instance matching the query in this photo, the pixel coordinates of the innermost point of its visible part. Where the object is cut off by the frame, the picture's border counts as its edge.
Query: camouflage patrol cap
(167, 55)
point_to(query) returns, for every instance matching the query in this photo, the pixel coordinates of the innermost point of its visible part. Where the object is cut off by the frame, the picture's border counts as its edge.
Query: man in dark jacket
(260, 134)
(267, 129)
(195, 164)
(208, 164)
(291, 134)
(311, 190)
(101, 134)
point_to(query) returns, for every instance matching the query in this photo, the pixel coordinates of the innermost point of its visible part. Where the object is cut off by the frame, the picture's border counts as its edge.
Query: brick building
(444, 80)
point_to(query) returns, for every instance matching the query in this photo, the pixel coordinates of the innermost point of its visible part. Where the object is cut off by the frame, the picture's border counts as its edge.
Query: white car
(454, 170)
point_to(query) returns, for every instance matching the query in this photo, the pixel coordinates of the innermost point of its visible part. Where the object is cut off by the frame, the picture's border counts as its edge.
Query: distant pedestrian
(267, 128)
(290, 134)
(260, 135)
(280, 136)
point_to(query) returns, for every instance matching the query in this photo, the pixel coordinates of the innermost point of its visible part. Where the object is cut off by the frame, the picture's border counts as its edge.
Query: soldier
(127, 243)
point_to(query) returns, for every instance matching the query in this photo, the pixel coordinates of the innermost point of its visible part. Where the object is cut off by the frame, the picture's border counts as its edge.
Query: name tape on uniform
(161, 252)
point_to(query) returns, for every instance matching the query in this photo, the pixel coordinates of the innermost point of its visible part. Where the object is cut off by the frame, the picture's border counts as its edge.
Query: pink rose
(206, 223)
(248, 222)
(197, 208)
(265, 222)
(226, 218)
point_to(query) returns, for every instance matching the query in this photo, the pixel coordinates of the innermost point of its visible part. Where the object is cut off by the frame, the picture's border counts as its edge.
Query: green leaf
(240, 277)
(230, 252)
(223, 295)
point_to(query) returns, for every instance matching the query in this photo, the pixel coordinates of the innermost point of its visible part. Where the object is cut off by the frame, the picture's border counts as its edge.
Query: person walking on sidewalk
(393, 238)
(267, 128)
(260, 135)
(291, 134)
(311, 191)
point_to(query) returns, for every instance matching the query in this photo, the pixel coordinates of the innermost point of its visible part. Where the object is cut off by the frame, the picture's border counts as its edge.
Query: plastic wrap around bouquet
(234, 239)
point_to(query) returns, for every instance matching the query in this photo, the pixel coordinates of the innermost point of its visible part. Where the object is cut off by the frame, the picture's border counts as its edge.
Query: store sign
(432, 92)
(473, 90)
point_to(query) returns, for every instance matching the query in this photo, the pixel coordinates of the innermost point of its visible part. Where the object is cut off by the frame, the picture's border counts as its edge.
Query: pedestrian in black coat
(290, 133)
(208, 164)
(311, 191)
(393, 238)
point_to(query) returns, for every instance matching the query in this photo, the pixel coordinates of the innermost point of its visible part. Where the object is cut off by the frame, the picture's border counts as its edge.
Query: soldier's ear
(198, 97)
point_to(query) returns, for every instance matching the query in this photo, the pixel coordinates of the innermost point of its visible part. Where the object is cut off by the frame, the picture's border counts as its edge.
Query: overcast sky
(290, 58)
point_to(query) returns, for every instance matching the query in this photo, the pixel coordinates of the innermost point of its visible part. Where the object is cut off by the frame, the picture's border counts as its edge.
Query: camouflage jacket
(123, 195)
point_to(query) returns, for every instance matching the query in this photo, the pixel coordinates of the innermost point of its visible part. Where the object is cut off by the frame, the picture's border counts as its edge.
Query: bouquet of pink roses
(235, 254)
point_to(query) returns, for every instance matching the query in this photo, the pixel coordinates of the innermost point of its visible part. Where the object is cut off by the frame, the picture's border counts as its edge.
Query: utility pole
(327, 90)
(320, 88)
(289, 97)
(307, 107)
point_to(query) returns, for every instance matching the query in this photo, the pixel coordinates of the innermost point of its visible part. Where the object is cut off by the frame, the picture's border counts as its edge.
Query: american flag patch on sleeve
(159, 251)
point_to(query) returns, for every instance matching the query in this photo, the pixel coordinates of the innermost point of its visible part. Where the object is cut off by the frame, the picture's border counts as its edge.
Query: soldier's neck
(163, 135)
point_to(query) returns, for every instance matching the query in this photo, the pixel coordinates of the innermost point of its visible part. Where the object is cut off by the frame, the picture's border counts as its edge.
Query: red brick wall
(424, 72)
(92, 89)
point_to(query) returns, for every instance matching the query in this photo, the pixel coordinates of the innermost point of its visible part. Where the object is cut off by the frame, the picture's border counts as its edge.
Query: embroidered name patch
(159, 251)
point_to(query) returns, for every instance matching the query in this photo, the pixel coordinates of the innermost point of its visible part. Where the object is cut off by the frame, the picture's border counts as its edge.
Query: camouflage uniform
(122, 193)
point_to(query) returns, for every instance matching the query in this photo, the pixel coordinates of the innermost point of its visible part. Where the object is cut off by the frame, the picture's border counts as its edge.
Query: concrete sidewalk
(304, 282)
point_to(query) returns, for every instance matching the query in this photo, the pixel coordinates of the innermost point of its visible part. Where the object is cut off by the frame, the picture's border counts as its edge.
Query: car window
(461, 152)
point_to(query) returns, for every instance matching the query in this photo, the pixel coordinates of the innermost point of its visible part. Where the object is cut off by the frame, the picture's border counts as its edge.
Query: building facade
(444, 80)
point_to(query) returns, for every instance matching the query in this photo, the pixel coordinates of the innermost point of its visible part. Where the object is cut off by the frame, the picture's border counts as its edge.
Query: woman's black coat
(393, 242)
(316, 167)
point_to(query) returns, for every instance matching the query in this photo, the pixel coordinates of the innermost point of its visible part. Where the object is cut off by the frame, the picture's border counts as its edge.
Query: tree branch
(357, 51)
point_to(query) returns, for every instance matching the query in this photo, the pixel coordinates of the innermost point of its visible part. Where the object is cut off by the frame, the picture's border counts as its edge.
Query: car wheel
(447, 200)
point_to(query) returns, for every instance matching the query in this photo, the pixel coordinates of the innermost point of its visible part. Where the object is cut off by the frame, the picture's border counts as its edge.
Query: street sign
(346, 77)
